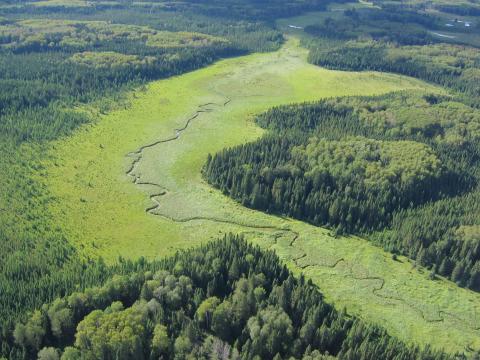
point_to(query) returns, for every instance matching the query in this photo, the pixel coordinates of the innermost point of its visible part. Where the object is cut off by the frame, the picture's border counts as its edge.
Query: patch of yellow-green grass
(104, 213)
(365, 279)
(61, 3)
(72, 3)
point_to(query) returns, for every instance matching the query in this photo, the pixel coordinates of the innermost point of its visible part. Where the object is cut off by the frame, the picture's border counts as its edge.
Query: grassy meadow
(95, 201)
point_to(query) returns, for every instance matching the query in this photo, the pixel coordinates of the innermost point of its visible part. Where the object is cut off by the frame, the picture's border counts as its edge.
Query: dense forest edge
(224, 300)
(57, 64)
(434, 44)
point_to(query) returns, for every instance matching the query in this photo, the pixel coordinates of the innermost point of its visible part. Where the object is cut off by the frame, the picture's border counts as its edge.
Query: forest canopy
(375, 163)
(414, 38)
(224, 300)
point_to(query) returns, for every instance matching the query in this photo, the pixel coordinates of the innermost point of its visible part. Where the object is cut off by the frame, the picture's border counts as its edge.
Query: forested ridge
(384, 167)
(251, 10)
(460, 7)
(49, 66)
(224, 300)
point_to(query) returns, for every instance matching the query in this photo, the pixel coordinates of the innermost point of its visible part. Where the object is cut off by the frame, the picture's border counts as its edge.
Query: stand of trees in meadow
(224, 300)
(401, 168)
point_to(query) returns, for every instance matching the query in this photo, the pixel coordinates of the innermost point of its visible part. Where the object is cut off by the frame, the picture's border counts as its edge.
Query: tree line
(224, 300)
(236, 9)
(39, 90)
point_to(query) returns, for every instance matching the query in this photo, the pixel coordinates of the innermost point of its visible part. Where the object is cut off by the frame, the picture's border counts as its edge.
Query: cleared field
(131, 186)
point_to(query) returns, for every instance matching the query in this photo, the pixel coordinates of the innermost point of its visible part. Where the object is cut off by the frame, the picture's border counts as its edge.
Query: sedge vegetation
(104, 214)
(48, 68)
(452, 66)
(437, 42)
(40, 89)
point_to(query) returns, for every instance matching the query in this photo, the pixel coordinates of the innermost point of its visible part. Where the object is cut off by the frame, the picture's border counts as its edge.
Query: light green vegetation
(181, 39)
(445, 56)
(71, 3)
(70, 33)
(377, 163)
(94, 161)
(406, 117)
(104, 214)
(469, 232)
(109, 59)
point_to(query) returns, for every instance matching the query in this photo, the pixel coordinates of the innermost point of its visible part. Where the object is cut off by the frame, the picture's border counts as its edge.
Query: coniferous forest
(405, 40)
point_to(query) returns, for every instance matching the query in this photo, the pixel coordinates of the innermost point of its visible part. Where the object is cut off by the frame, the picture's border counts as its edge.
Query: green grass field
(91, 175)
